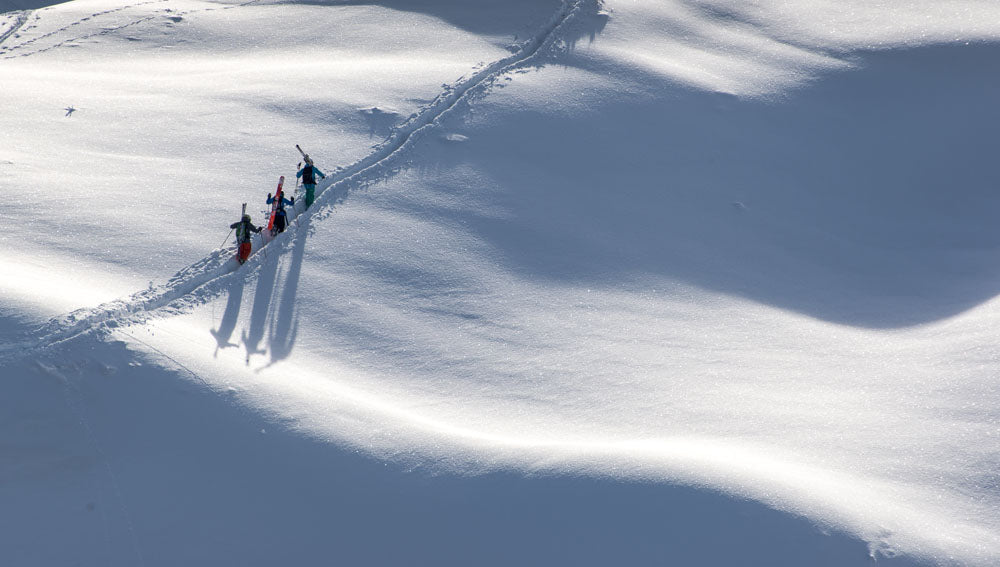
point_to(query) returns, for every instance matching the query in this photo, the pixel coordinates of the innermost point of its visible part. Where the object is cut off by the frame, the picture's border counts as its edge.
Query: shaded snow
(567, 258)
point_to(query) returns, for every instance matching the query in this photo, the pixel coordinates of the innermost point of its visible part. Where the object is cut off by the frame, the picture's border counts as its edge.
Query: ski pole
(227, 237)
(295, 207)
(263, 245)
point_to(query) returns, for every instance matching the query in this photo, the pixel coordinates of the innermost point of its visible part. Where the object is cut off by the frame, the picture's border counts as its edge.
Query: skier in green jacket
(308, 175)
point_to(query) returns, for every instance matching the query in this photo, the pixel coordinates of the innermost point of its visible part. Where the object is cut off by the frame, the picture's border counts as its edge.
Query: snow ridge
(210, 276)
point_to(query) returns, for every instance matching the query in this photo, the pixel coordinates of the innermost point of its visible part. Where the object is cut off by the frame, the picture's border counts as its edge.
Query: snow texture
(587, 282)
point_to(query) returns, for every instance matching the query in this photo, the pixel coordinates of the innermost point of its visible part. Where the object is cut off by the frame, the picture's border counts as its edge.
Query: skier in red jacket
(243, 230)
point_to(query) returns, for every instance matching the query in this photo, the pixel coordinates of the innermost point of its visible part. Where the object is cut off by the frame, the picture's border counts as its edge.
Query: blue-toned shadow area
(226, 486)
(867, 198)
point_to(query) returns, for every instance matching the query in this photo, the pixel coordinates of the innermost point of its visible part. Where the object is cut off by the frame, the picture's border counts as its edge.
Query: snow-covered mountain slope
(193, 108)
(750, 251)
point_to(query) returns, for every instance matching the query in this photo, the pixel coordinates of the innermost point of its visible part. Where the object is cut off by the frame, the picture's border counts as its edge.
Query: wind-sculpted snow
(765, 49)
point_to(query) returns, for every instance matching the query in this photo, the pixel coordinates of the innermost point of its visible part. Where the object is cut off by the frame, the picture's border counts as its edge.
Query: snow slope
(744, 250)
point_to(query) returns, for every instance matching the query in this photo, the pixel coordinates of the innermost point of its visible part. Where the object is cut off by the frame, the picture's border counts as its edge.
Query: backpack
(308, 176)
(242, 232)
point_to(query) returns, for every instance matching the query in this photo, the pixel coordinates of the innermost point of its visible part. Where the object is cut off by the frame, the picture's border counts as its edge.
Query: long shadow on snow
(516, 19)
(266, 280)
(869, 198)
(14, 5)
(191, 480)
(230, 316)
(490, 17)
(284, 325)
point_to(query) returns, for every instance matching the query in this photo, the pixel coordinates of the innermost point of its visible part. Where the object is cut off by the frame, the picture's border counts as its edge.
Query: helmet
(246, 218)
(308, 160)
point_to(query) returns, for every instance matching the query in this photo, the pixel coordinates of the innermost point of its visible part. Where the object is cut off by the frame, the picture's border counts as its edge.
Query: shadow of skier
(284, 325)
(253, 335)
(229, 317)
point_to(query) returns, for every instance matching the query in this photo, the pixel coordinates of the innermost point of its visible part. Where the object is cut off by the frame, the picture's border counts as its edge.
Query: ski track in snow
(209, 277)
(66, 28)
(20, 18)
(7, 50)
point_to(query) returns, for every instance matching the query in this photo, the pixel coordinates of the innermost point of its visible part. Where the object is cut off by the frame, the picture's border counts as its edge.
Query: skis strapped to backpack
(242, 238)
(275, 204)
(241, 229)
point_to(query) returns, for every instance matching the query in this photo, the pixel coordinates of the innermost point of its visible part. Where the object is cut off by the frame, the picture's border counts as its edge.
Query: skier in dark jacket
(280, 216)
(308, 175)
(243, 229)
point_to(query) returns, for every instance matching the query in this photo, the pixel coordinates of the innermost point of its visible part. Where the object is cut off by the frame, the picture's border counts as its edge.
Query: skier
(308, 174)
(280, 216)
(243, 229)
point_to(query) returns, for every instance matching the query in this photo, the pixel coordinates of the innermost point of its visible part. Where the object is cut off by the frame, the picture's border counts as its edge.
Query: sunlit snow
(748, 248)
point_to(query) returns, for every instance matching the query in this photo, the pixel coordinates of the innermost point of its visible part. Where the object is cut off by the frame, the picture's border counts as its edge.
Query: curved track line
(207, 278)
(76, 23)
(9, 51)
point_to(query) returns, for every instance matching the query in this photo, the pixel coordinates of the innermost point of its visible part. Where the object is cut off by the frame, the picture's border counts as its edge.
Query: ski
(301, 152)
(275, 203)
(241, 253)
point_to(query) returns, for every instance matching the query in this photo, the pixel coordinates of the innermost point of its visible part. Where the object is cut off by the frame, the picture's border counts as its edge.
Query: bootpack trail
(210, 276)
